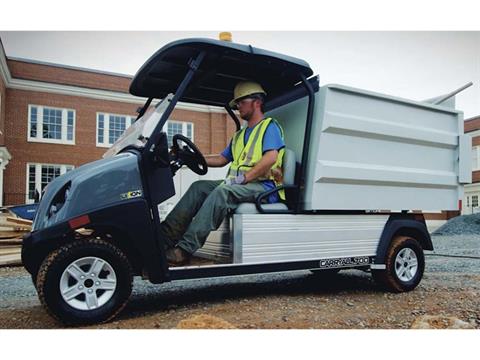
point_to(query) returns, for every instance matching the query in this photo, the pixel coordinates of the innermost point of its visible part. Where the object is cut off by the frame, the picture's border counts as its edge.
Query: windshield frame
(141, 130)
(194, 64)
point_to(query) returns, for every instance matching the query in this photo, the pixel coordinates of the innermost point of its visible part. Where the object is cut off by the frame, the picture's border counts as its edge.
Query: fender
(402, 224)
(131, 219)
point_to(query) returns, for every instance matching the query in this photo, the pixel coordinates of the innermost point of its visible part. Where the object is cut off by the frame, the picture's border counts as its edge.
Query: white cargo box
(371, 151)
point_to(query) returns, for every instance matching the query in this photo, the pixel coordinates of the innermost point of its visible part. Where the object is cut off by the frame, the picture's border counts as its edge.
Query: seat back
(289, 166)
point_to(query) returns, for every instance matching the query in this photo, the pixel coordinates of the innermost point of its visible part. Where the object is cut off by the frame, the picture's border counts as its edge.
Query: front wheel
(405, 264)
(85, 282)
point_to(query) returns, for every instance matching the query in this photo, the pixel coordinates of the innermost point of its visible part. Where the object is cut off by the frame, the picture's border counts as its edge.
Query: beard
(247, 115)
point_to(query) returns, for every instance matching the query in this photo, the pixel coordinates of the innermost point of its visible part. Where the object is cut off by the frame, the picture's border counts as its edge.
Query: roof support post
(193, 65)
(306, 143)
(158, 269)
(144, 108)
(233, 116)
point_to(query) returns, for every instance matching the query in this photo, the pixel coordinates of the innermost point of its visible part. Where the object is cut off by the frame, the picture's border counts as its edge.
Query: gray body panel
(268, 238)
(93, 186)
(372, 151)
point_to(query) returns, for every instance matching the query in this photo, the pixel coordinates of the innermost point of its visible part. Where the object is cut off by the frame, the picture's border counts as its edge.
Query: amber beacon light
(225, 36)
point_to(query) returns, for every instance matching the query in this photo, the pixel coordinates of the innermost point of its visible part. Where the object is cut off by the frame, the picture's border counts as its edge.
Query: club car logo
(344, 262)
(131, 194)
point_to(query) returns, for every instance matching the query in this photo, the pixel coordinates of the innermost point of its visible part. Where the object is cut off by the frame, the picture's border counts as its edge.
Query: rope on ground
(455, 256)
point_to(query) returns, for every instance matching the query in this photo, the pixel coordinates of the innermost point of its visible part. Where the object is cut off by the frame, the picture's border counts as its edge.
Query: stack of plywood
(12, 229)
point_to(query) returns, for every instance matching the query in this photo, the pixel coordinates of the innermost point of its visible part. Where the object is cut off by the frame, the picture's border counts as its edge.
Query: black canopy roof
(224, 65)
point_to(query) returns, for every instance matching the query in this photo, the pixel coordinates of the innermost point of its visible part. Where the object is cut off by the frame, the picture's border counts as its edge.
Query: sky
(412, 65)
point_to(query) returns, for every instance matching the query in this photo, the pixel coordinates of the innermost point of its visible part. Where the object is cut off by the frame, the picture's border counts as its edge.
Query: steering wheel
(187, 155)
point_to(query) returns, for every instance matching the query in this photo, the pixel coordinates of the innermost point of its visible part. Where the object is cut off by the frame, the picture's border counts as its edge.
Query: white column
(4, 159)
(1, 185)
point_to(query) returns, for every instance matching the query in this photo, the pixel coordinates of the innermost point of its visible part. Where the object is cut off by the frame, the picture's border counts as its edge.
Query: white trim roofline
(34, 85)
(4, 71)
(473, 133)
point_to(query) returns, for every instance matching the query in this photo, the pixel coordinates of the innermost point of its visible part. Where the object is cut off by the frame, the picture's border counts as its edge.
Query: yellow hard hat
(246, 88)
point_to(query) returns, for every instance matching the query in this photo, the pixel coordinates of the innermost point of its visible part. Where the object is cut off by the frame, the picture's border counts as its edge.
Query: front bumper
(37, 244)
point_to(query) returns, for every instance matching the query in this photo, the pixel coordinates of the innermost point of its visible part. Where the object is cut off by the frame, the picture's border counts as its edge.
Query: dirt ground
(298, 300)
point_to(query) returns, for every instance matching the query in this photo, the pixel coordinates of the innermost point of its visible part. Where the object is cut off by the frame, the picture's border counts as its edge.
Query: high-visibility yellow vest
(246, 156)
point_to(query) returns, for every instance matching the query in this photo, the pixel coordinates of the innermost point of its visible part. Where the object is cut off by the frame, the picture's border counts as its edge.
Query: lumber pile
(12, 229)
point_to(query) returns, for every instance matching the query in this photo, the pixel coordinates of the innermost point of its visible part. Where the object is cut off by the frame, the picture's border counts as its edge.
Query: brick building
(54, 118)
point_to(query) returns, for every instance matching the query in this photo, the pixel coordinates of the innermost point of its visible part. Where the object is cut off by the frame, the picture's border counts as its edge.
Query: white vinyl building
(472, 191)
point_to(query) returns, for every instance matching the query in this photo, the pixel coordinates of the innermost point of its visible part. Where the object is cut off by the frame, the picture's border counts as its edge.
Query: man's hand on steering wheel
(187, 155)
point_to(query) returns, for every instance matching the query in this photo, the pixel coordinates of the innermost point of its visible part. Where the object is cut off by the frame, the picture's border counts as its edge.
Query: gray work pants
(202, 209)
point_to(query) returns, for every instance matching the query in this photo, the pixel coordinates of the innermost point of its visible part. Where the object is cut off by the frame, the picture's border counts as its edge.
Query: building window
(179, 127)
(110, 127)
(51, 125)
(474, 200)
(40, 175)
(468, 201)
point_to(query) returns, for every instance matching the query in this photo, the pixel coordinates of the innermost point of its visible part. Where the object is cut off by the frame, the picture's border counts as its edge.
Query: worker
(255, 152)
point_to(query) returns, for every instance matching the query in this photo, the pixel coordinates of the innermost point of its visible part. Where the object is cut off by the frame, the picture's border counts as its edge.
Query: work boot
(177, 256)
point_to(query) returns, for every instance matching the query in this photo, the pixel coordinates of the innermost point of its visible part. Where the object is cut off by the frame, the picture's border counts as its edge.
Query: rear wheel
(405, 264)
(85, 282)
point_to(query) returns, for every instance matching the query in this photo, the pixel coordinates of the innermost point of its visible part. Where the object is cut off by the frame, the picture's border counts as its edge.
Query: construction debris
(12, 229)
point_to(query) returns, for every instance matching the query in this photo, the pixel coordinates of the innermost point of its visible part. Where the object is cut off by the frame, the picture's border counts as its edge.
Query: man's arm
(216, 160)
(263, 166)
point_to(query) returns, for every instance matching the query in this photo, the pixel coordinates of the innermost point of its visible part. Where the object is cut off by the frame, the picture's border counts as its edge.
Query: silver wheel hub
(406, 264)
(88, 283)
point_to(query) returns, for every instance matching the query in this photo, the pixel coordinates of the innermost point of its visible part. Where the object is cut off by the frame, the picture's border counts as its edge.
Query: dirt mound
(464, 224)
(440, 322)
(204, 322)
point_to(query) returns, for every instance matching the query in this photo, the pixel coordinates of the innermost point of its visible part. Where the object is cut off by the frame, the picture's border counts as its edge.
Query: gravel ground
(461, 225)
(299, 299)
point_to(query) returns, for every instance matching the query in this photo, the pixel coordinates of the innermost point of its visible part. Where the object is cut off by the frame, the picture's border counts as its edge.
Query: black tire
(389, 278)
(50, 274)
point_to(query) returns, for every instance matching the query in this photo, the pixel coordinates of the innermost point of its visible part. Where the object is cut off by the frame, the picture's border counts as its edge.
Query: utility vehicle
(359, 168)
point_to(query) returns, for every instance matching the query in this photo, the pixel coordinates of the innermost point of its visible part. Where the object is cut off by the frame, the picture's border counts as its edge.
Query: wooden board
(12, 234)
(19, 221)
(11, 260)
(8, 250)
(10, 241)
